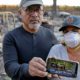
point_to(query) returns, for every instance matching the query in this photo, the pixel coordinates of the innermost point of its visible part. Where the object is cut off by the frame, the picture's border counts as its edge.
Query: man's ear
(19, 14)
(19, 11)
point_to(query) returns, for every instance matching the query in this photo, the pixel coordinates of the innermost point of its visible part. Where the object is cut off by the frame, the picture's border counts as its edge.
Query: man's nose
(34, 14)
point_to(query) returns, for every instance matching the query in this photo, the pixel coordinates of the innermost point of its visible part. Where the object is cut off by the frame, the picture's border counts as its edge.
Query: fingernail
(45, 69)
(46, 74)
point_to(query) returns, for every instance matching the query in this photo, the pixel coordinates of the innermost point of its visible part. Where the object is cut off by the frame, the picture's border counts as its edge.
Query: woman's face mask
(72, 39)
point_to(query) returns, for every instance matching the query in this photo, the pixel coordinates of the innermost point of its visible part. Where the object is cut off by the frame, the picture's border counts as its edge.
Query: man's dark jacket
(20, 46)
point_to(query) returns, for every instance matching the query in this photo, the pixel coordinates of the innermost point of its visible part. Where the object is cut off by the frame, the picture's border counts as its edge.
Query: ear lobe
(20, 18)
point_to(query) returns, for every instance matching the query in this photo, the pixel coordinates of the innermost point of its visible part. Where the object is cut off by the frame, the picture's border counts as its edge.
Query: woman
(71, 49)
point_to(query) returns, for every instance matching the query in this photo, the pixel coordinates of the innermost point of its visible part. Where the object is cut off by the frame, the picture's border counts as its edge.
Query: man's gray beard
(35, 26)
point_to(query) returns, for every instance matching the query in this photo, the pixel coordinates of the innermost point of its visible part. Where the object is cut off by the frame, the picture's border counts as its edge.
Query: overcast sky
(46, 2)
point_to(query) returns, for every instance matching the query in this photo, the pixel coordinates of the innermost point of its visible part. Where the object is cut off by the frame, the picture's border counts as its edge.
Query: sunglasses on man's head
(34, 8)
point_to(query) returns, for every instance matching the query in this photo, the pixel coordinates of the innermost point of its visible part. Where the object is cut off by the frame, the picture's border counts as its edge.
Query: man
(25, 48)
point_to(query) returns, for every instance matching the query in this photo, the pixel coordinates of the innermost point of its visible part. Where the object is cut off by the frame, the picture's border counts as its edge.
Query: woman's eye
(65, 31)
(75, 30)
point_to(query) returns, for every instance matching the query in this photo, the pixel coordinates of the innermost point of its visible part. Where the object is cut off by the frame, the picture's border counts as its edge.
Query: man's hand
(37, 67)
